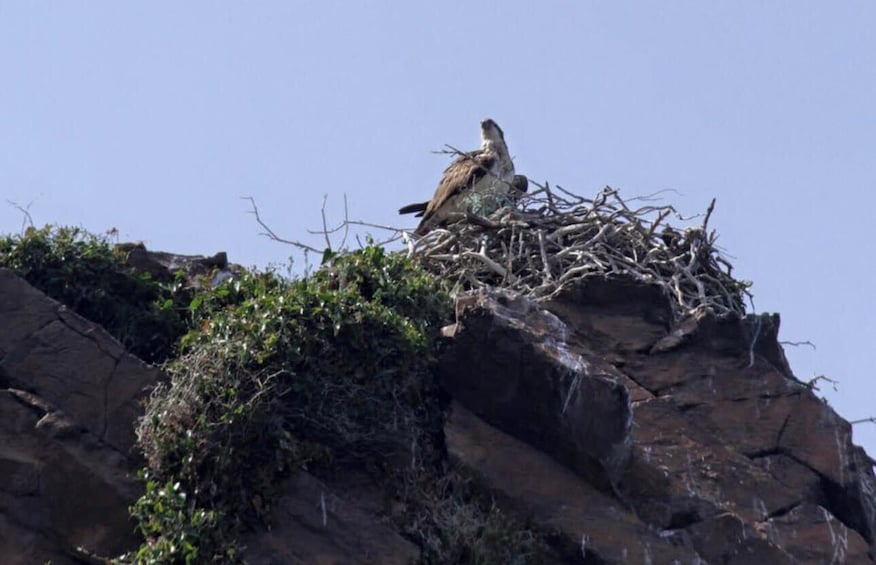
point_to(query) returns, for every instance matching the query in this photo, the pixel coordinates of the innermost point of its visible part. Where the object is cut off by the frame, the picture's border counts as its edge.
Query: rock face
(164, 266)
(315, 524)
(69, 396)
(643, 441)
(629, 436)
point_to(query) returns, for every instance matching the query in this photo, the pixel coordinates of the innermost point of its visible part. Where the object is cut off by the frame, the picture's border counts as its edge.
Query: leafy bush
(281, 374)
(84, 272)
(277, 375)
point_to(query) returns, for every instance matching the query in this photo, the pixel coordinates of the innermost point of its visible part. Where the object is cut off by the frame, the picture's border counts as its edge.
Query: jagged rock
(722, 427)
(509, 364)
(592, 525)
(724, 448)
(630, 435)
(68, 403)
(70, 362)
(313, 525)
(811, 534)
(63, 487)
(724, 539)
(164, 266)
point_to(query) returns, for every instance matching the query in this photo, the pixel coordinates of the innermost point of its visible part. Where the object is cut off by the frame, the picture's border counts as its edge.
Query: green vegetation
(269, 376)
(87, 274)
(279, 375)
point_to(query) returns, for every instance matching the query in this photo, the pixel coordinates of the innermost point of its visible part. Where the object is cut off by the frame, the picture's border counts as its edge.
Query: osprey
(478, 181)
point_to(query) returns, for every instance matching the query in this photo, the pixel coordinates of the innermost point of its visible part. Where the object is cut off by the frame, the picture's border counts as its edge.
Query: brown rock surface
(164, 266)
(724, 449)
(68, 401)
(591, 524)
(510, 365)
(628, 435)
(316, 526)
(70, 362)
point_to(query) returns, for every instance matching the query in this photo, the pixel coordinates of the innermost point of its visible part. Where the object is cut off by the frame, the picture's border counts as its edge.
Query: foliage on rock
(276, 375)
(84, 272)
(281, 374)
(455, 522)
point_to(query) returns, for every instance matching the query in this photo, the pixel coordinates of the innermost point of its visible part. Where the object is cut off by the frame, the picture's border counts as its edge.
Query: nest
(551, 239)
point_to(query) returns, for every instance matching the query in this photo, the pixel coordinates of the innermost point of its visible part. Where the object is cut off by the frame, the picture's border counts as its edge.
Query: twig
(270, 233)
(328, 241)
(813, 382)
(549, 241)
(798, 343)
(27, 220)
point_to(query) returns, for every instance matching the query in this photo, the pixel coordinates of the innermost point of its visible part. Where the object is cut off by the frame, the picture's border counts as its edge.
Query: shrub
(281, 374)
(454, 522)
(84, 272)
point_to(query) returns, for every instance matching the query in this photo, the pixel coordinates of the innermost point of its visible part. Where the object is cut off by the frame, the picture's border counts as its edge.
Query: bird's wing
(461, 175)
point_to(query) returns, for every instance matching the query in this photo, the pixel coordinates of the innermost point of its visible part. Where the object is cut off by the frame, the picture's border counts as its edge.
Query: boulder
(592, 526)
(721, 427)
(509, 363)
(165, 266)
(69, 398)
(316, 525)
(691, 434)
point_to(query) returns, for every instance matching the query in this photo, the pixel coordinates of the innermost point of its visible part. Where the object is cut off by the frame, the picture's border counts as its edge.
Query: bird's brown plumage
(461, 175)
(519, 186)
(475, 180)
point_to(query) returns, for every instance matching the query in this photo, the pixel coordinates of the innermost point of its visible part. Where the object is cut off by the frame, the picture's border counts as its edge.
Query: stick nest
(551, 240)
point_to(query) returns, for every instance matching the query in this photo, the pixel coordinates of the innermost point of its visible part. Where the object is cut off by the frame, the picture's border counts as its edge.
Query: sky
(156, 118)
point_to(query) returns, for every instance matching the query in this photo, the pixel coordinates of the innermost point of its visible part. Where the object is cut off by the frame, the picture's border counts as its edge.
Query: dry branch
(553, 239)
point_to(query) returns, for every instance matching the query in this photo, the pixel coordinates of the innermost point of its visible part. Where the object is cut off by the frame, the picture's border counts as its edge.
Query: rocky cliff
(642, 442)
(614, 417)
(625, 437)
(69, 394)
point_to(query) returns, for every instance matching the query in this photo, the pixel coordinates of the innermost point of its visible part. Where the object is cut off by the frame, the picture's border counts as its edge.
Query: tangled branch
(554, 238)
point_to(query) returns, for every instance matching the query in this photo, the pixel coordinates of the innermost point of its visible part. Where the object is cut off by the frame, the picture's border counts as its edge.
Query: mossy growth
(269, 376)
(279, 375)
(86, 273)
(330, 372)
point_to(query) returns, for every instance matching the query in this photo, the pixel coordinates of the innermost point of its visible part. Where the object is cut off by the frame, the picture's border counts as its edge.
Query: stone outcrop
(165, 266)
(318, 524)
(69, 397)
(627, 435)
(511, 365)
(712, 451)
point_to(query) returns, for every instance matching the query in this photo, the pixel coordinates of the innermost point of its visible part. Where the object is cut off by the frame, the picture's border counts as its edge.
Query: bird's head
(491, 132)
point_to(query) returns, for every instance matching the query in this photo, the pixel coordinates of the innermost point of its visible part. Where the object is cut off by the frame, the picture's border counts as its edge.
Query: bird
(519, 186)
(479, 181)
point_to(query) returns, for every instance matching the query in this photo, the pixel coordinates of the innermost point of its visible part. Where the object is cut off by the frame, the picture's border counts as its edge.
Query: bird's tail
(411, 208)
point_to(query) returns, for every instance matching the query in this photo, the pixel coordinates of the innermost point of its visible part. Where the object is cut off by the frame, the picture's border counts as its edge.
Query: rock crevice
(720, 444)
(596, 416)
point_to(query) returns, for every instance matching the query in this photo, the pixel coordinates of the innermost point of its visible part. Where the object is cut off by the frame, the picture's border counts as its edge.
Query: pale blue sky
(156, 117)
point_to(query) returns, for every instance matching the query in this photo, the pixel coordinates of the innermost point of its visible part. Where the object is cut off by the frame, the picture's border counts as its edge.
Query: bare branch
(551, 240)
(328, 241)
(270, 233)
(27, 220)
(798, 343)
(813, 382)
